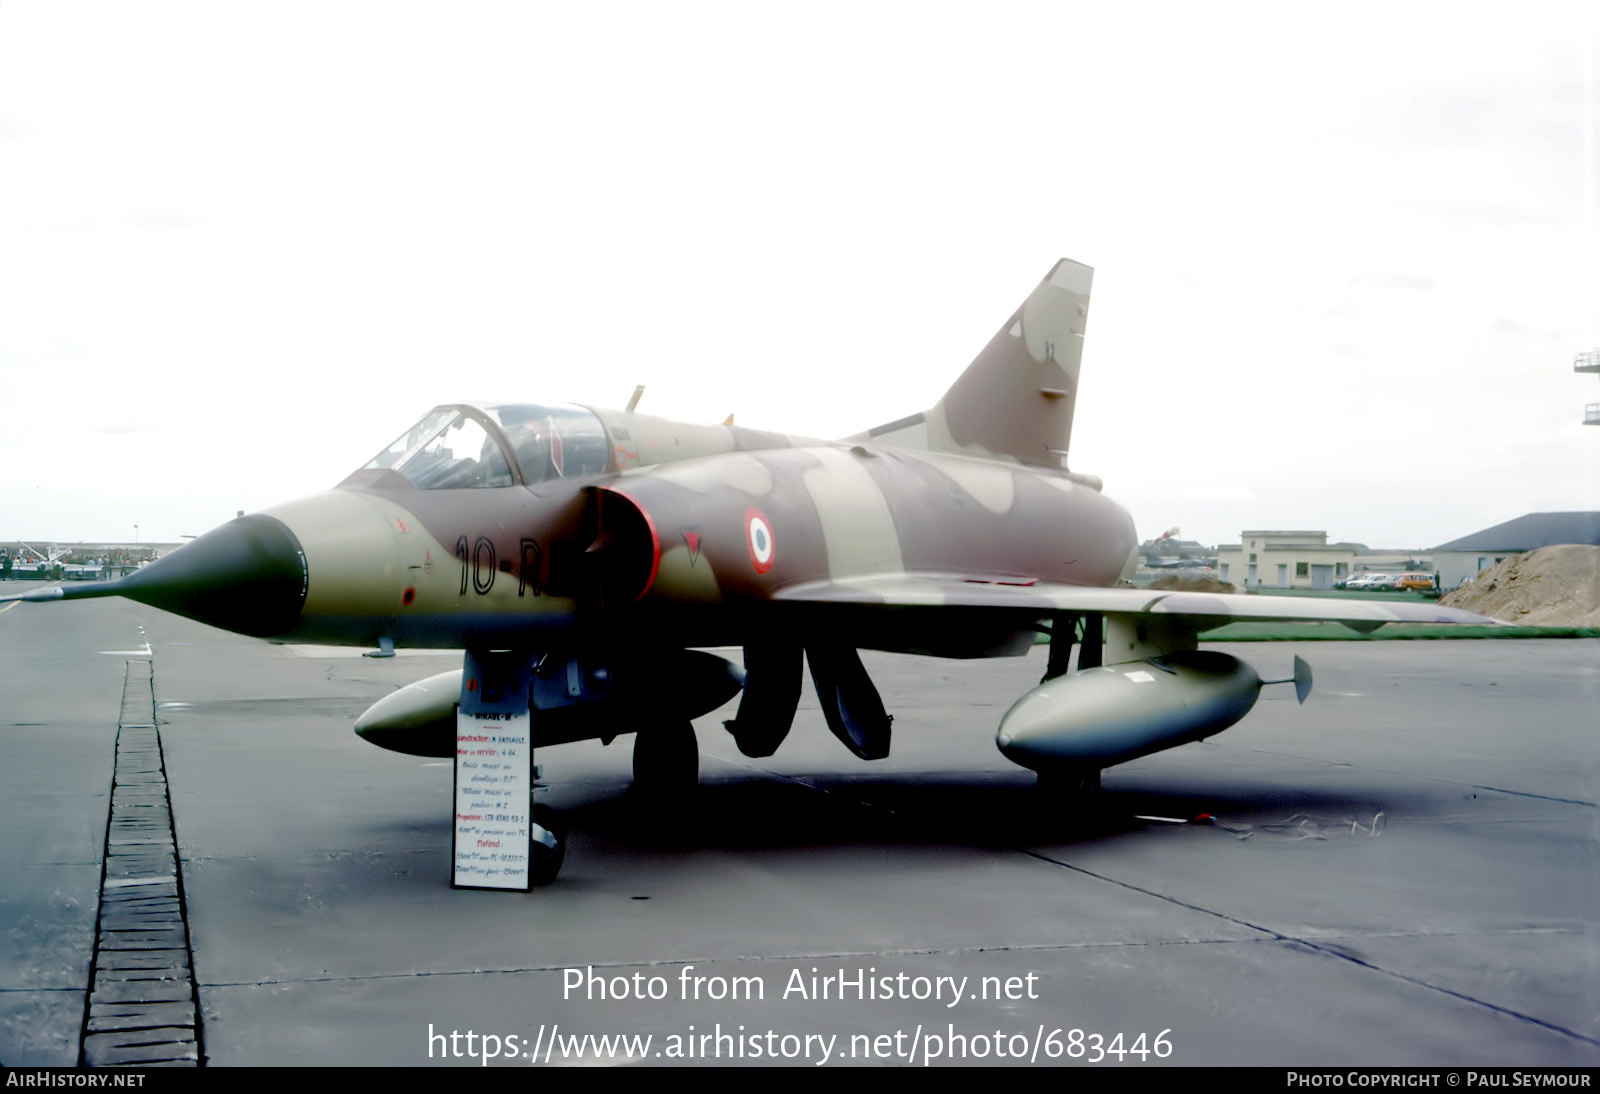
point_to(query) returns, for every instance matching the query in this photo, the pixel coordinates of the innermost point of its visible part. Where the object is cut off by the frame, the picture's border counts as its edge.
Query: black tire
(544, 862)
(666, 759)
(1070, 787)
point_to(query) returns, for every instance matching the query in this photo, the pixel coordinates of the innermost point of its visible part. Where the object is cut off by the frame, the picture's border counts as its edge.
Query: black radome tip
(248, 576)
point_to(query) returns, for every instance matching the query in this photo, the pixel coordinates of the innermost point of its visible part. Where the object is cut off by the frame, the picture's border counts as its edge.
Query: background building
(1462, 558)
(1286, 559)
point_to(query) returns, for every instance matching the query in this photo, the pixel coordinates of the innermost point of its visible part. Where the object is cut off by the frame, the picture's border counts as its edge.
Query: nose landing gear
(548, 847)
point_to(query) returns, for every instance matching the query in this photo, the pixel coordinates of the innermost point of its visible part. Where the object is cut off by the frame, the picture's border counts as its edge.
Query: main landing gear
(1070, 785)
(1066, 799)
(666, 760)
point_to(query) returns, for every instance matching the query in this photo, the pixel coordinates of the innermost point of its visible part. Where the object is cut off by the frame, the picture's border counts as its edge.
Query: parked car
(1361, 581)
(1414, 581)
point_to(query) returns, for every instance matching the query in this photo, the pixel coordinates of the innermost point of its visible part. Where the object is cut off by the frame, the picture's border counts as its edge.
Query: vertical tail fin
(1015, 401)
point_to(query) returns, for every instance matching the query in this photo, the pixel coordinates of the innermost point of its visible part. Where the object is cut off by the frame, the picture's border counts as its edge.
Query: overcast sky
(1344, 253)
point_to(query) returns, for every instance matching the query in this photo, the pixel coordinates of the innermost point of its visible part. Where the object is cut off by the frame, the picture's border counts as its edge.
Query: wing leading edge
(1021, 595)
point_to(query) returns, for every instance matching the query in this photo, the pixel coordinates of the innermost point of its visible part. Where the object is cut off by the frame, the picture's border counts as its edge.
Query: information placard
(494, 776)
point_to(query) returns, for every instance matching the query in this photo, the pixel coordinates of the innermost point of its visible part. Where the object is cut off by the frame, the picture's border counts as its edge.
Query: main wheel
(666, 759)
(1070, 786)
(1064, 802)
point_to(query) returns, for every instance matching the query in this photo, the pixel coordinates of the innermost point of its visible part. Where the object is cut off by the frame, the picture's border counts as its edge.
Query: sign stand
(493, 828)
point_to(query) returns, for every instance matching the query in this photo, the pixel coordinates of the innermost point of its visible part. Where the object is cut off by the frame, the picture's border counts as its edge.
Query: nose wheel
(548, 847)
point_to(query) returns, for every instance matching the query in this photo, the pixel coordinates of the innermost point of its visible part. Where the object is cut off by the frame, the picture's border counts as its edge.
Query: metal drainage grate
(142, 1005)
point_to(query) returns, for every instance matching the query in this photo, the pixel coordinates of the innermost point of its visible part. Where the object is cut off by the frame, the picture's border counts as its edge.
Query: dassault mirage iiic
(585, 559)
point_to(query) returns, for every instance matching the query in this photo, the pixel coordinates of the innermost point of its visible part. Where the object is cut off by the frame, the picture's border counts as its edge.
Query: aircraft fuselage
(686, 552)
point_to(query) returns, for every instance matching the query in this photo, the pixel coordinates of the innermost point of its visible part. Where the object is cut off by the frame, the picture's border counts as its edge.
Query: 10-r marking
(480, 564)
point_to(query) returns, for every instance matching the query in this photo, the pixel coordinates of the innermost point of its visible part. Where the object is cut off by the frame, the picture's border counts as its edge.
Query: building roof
(1530, 531)
(1299, 548)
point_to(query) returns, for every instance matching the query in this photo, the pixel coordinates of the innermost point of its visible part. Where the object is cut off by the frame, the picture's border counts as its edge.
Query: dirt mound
(1192, 584)
(1552, 587)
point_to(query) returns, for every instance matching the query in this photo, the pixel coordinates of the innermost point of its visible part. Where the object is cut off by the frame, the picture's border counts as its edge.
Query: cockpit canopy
(463, 447)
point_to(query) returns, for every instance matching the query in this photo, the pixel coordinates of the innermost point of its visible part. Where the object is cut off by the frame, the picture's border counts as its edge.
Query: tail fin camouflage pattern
(1015, 400)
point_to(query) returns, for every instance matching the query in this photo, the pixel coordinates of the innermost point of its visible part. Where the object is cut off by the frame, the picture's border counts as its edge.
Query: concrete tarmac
(1405, 870)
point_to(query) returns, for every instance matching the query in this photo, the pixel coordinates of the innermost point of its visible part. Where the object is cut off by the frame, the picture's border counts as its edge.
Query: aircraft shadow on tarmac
(943, 810)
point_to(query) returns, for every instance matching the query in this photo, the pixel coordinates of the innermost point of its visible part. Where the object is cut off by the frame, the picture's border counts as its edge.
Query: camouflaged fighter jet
(583, 558)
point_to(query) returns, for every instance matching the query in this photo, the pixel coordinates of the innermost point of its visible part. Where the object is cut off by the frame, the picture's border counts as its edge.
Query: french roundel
(758, 534)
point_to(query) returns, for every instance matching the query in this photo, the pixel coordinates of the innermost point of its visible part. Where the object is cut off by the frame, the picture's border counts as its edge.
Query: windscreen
(411, 440)
(447, 450)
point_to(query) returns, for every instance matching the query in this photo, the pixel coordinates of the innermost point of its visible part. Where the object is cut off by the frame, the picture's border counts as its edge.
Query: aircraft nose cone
(248, 576)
